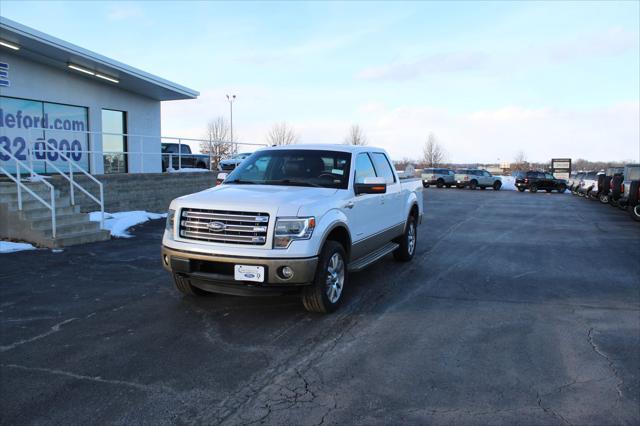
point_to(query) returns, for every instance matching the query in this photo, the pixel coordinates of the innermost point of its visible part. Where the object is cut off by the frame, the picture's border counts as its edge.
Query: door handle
(349, 205)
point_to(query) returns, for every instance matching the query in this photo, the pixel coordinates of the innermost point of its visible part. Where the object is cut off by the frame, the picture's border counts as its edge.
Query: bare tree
(282, 134)
(217, 142)
(520, 161)
(434, 153)
(356, 136)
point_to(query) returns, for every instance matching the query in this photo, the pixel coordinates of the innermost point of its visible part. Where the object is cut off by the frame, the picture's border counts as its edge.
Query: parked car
(604, 183)
(630, 174)
(615, 189)
(634, 200)
(588, 183)
(574, 181)
(231, 163)
(180, 156)
(438, 177)
(476, 178)
(537, 180)
(294, 218)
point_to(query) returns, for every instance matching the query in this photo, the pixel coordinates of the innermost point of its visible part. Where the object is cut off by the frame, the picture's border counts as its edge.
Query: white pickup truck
(294, 218)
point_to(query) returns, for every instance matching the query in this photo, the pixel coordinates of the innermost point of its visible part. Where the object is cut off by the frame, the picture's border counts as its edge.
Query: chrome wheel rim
(411, 238)
(636, 210)
(335, 278)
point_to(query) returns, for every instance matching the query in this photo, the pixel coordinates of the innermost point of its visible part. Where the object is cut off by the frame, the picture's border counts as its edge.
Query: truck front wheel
(325, 293)
(408, 241)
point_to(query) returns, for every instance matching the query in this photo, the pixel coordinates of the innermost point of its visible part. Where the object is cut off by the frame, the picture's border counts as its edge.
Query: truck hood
(277, 200)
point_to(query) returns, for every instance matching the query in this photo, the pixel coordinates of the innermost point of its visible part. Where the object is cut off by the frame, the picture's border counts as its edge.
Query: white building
(91, 107)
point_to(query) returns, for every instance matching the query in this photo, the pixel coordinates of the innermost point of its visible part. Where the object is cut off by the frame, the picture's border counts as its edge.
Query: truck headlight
(290, 229)
(171, 218)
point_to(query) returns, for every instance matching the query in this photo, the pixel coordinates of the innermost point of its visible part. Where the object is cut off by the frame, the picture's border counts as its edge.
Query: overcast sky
(488, 79)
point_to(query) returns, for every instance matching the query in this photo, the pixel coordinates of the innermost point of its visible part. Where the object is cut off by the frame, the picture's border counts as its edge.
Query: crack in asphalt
(54, 329)
(620, 380)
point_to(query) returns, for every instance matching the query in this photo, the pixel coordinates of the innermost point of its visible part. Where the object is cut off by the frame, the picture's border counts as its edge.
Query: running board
(376, 255)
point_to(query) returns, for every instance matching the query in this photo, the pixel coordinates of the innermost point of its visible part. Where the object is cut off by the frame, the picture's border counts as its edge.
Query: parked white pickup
(293, 218)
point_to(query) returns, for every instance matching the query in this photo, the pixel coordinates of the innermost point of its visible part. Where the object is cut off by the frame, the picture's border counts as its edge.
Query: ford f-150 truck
(295, 218)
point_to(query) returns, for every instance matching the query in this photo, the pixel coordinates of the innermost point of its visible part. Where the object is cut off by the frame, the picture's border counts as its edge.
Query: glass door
(114, 141)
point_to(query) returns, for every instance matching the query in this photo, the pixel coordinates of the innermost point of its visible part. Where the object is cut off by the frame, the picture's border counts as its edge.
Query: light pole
(231, 99)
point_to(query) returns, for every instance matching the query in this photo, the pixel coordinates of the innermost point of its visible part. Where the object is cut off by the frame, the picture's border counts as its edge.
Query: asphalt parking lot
(518, 308)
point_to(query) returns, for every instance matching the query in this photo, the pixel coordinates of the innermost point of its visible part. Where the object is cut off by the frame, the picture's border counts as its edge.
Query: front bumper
(215, 272)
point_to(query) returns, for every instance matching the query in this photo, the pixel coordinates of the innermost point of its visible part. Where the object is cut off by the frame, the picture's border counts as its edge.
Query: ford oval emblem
(216, 226)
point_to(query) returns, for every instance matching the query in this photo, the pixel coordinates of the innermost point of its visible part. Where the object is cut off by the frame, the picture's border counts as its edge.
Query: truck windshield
(294, 167)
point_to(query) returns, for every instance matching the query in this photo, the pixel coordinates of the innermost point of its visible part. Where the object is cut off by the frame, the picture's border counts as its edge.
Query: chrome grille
(221, 226)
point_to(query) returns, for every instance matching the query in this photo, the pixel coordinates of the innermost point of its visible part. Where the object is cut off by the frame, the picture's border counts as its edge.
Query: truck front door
(364, 211)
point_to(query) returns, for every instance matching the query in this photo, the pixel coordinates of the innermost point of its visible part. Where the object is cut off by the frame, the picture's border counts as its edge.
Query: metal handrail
(73, 183)
(51, 206)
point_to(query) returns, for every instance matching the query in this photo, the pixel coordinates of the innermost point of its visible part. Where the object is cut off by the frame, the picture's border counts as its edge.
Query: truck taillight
(622, 188)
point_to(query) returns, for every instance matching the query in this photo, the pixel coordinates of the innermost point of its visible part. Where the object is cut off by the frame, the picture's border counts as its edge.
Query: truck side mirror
(371, 185)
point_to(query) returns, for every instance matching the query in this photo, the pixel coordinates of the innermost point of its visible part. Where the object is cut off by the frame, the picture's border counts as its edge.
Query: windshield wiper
(242, 182)
(293, 182)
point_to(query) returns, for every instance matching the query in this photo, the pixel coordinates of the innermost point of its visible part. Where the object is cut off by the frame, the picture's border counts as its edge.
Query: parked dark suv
(533, 181)
(604, 183)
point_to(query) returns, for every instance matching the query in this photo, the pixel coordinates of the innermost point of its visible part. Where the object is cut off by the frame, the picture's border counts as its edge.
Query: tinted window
(548, 176)
(633, 173)
(364, 168)
(294, 167)
(383, 168)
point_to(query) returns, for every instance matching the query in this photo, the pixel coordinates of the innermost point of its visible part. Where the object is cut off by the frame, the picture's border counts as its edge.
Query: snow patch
(11, 247)
(118, 223)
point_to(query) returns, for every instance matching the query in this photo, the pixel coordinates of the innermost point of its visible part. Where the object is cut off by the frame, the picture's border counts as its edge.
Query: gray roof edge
(12, 26)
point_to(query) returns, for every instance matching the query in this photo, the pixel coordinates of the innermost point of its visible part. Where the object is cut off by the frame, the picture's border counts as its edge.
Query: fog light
(286, 272)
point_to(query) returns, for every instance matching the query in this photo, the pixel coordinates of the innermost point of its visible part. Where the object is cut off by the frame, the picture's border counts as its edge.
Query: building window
(114, 141)
(43, 135)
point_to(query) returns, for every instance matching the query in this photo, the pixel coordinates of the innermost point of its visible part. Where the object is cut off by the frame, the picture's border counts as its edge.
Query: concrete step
(44, 212)
(71, 229)
(13, 196)
(37, 187)
(33, 204)
(79, 238)
(42, 224)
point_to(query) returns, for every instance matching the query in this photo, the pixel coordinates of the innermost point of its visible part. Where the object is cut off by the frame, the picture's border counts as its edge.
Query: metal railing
(142, 155)
(73, 183)
(20, 186)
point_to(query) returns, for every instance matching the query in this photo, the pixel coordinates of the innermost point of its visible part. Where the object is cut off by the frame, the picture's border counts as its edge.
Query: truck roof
(329, 147)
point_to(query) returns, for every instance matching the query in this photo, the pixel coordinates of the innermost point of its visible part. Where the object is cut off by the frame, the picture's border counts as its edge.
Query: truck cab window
(364, 168)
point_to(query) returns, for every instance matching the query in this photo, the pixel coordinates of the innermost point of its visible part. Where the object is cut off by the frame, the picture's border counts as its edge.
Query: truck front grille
(221, 226)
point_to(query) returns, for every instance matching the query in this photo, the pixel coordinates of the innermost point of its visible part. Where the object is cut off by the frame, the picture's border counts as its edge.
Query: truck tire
(635, 212)
(184, 286)
(521, 188)
(497, 185)
(408, 241)
(324, 295)
(604, 198)
(440, 183)
(533, 188)
(473, 184)
(426, 185)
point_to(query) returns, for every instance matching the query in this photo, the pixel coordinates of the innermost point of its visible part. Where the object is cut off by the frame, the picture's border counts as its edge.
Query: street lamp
(231, 99)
